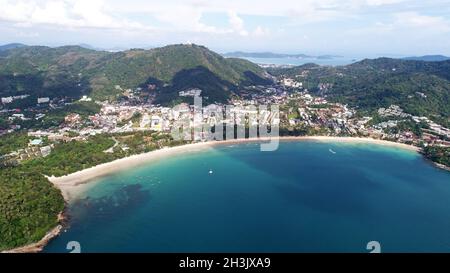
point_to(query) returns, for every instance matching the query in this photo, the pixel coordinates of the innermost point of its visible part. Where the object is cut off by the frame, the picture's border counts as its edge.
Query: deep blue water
(301, 198)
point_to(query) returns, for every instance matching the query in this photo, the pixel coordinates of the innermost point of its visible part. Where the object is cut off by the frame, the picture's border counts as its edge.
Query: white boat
(210, 172)
(331, 151)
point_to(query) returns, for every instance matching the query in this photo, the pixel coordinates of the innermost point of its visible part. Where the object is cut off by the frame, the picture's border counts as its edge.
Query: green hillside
(421, 88)
(29, 205)
(73, 71)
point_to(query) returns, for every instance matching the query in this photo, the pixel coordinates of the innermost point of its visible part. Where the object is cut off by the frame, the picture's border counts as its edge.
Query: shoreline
(68, 184)
(39, 245)
(440, 166)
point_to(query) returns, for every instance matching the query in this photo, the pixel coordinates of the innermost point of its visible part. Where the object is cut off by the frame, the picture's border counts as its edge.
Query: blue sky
(346, 27)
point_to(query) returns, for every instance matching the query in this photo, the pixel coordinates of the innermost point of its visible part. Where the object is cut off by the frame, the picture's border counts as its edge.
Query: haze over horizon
(356, 28)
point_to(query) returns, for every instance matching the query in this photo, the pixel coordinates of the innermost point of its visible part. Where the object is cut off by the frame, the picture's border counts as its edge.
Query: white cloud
(237, 24)
(187, 18)
(24, 34)
(405, 24)
(65, 13)
(179, 15)
(261, 32)
(300, 11)
(425, 22)
(382, 2)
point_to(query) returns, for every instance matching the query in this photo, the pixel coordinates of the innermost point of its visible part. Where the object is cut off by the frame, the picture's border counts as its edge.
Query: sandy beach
(70, 184)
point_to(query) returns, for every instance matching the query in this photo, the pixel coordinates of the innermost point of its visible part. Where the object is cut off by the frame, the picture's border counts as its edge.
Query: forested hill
(11, 46)
(428, 58)
(73, 71)
(421, 88)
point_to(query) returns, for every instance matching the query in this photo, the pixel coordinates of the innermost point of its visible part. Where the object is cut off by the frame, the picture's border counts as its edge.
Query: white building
(7, 100)
(156, 123)
(45, 151)
(291, 83)
(43, 100)
(145, 121)
(194, 92)
(85, 98)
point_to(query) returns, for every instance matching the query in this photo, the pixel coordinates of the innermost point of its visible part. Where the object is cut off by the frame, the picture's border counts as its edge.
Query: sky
(344, 27)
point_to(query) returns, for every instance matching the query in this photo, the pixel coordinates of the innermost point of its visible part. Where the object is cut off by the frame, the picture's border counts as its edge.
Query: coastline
(69, 184)
(440, 166)
(39, 246)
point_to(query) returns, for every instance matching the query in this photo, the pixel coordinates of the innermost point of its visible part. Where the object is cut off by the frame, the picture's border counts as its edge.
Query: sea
(334, 61)
(307, 196)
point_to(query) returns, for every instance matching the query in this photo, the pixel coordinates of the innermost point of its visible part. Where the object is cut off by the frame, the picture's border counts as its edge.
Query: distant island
(240, 54)
(428, 58)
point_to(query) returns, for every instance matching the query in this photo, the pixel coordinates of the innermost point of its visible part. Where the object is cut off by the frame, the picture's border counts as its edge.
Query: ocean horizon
(333, 61)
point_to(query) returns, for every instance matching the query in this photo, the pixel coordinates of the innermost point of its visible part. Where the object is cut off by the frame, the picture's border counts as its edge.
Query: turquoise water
(301, 198)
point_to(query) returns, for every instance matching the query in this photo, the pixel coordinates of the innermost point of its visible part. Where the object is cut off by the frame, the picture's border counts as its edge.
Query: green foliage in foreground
(29, 205)
(438, 154)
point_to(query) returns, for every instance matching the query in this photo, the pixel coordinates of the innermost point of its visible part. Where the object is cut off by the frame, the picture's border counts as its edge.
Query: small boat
(331, 151)
(210, 171)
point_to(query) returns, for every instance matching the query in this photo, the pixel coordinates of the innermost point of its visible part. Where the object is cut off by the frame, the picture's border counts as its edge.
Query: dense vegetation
(46, 72)
(3, 124)
(70, 157)
(438, 154)
(29, 205)
(56, 116)
(13, 142)
(420, 88)
(11, 46)
(73, 156)
(71, 71)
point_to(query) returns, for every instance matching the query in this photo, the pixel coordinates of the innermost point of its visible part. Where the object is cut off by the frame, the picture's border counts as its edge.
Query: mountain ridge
(11, 46)
(420, 88)
(428, 58)
(46, 71)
